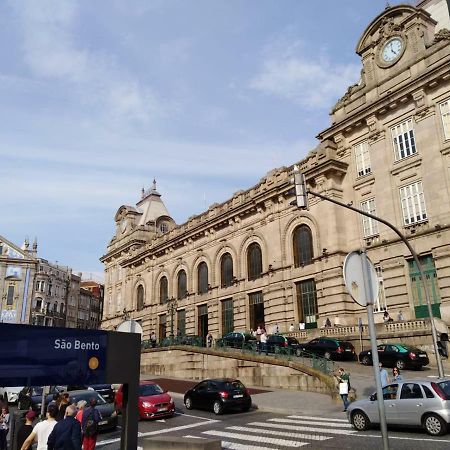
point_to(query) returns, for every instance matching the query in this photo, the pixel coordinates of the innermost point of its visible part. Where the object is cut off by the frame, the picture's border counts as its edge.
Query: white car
(11, 393)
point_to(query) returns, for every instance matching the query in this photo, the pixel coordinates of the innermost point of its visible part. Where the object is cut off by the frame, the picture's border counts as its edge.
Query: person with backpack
(89, 425)
(66, 434)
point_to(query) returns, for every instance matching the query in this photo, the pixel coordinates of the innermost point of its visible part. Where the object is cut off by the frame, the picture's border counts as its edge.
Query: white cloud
(287, 72)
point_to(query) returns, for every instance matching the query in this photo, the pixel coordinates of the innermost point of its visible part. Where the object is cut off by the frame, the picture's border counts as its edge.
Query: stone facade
(256, 259)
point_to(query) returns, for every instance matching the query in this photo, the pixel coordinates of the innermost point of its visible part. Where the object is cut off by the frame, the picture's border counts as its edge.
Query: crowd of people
(67, 426)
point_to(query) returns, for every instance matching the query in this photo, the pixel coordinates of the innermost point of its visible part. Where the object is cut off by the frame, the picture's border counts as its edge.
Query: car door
(312, 346)
(212, 393)
(199, 395)
(390, 355)
(410, 406)
(390, 396)
(381, 354)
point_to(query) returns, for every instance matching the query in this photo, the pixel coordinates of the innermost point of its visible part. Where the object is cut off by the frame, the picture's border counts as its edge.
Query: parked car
(277, 343)
(329, 348)
(397, 355)
(153, 401)
(105, 390)
(107, 410)
(36, 395)
(218, 395)
(236, 339)
(416, 403)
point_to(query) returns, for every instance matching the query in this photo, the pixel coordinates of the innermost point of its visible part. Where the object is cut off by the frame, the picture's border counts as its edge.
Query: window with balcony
(413, 203)
(445, 115)
(362, 156)
(403, 140)
(369, 225)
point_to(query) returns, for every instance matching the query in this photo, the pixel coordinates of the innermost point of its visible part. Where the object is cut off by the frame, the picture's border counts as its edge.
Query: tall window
(254, 261)
(182, 289)
(10, 295)
(445, 114)
(163, 291)
(303, 247)
(226, 270)
(202, 278)
(181, 322)
(227, 316)
(370, 226)
(256, 304)
(140, 297)
(413, 203)
(380, 301)
(403, 139)
(307, 303)
(362, 156)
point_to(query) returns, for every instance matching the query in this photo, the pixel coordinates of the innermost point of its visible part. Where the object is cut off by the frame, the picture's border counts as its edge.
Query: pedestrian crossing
(277, 433)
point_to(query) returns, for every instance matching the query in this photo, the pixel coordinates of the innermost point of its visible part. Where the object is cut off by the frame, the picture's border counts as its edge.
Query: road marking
(436, 376)
(325, 419)
(301, 428)
(198, 417)
(193, 437)
(312, 422)
(280, 433)
(262, 439)
(403, 438)
(233, 446)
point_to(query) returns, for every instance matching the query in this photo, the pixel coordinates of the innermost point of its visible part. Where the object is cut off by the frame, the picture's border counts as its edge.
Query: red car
(153, 401)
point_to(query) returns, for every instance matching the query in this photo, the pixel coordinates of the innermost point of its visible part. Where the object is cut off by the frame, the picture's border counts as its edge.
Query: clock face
(392, 50)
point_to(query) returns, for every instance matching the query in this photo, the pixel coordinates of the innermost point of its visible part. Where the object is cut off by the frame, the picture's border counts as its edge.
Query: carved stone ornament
(442, 35)
(388, 28)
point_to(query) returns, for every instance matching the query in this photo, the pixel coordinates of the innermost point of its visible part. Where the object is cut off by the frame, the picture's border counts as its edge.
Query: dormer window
(164, 227)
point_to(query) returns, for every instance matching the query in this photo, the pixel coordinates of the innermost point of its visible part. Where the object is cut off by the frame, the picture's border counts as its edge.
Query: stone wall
(252, 370)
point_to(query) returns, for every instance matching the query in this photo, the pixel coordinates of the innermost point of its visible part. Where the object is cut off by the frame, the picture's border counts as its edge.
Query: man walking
(384, 377)
(91, 418)
(42, 430)
(67, 433)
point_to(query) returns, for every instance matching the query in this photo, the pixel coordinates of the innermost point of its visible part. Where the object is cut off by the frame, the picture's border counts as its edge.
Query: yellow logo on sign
(93, 363)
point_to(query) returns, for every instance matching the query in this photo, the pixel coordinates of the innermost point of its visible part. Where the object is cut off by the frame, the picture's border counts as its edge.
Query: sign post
(361, 281)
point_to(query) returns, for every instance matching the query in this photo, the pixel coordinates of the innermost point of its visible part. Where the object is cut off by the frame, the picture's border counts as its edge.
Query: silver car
(416, 403)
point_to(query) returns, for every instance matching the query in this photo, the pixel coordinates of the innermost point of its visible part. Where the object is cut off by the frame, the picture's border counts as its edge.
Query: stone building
(96, 291)
(73, 300)
(256, 259)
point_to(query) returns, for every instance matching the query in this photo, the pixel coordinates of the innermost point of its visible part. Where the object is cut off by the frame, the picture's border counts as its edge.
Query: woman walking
(344, 386)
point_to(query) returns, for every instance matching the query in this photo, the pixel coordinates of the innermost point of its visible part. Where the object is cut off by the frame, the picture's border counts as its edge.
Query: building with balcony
(257, 260)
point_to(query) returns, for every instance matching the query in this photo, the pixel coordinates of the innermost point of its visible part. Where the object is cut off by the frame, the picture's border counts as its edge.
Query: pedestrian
(209, 340)
(91, 418)
(4, 427)
(328, 323)
(80, 406)
(386, 317)
(24, 401)
(291, 328)
(258, 338)
(153, 339)
(344, 386)
(276, 329)
(25, 429)
(42, 430)
(66, 435)
(384, 377)
(263, 342)
(400, 316)
(396, 377)
(63, 404)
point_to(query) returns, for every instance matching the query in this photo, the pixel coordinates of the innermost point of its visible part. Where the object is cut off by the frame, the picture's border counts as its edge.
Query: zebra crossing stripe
(254, 438)
(235, 446)
(281, 426)
(280, 433)
(324, 419)
(313, 422)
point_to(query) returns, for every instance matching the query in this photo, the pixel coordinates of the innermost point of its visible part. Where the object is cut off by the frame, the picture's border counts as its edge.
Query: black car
(107, 410)
(397, 355)
(105, 390)
(36, 395)
(237, 339)
(218, 395)
(329, 348)
(277, 343)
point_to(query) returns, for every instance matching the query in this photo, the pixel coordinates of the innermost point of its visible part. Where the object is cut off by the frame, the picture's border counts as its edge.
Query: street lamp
(172, 305)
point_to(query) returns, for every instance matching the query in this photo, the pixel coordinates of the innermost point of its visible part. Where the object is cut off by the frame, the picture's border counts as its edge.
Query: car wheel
(218, 407)
(400, 364)
(188, 402)
(365, 360)
(327, 355)
(434, 425)
(360, 421)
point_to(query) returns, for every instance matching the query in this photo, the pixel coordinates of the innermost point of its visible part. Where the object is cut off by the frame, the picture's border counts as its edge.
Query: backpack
(91, 426)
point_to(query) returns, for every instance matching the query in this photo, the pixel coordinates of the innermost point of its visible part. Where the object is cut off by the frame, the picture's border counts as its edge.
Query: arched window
(202, 278)
(163, 291)
(140, 297)
(226, 270)
(254, 261)
(182, 290)
(303, 247)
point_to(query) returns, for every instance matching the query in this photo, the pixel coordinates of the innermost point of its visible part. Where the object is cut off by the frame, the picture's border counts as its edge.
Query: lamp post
(172, 305)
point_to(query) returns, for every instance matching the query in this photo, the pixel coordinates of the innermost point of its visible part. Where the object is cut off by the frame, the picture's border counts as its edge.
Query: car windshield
(445, 387)
(232, 385)
(87, 395)
(149, 389)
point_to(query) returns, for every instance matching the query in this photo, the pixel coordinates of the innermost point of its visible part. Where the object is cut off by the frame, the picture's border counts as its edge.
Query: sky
(97, 98)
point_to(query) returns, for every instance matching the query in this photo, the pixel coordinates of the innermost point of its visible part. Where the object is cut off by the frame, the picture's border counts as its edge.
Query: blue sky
(207, 96)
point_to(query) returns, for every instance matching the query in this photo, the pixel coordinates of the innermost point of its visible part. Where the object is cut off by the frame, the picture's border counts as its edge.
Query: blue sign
(42, 356)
